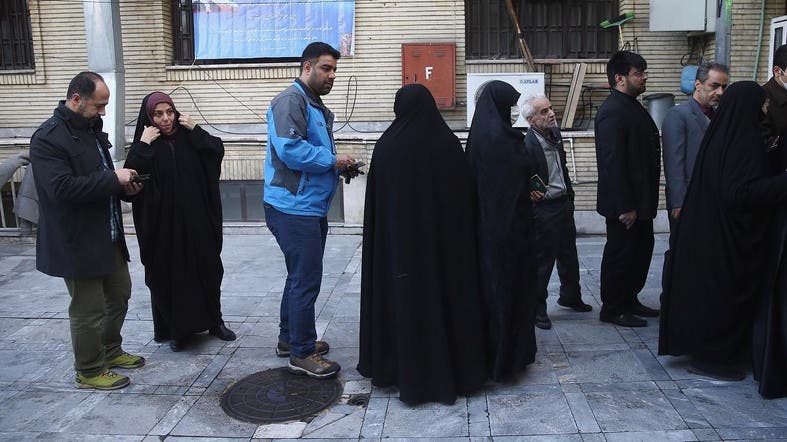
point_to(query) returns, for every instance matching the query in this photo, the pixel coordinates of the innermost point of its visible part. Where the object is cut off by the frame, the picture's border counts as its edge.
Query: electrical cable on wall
(348, 110)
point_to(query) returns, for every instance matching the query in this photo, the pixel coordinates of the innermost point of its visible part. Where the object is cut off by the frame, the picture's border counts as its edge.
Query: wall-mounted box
(683, 15)
(434, 66)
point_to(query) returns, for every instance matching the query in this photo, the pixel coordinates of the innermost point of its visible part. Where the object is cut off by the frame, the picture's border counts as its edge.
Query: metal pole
(105, 57)
(723, 30)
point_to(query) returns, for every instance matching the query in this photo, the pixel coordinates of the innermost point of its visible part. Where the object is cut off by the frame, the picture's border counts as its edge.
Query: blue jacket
(300, 178)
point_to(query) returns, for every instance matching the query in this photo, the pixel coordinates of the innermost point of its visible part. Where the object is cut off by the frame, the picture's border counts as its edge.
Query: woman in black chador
(421, 319)
(178, 220)
(507, 267)
(770, 324)
(714, 278)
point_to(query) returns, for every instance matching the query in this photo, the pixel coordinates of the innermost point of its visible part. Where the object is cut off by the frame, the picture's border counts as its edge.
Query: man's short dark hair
(83, 84)
(780, 57)
(316, 50)
(705, 68)
(621, 63)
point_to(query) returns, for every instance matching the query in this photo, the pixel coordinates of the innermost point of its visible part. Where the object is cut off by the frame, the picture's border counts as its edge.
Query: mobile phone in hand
(537, 184)
(140, 178)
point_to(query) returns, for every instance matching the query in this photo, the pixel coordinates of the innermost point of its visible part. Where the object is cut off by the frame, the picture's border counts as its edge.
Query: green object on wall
(617, 21)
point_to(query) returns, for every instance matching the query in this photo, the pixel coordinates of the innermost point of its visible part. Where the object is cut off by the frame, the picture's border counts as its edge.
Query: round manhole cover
(277, 396)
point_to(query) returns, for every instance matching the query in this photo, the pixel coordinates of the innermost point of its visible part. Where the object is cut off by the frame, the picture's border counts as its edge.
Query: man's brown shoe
(283, 348)
(314, 366)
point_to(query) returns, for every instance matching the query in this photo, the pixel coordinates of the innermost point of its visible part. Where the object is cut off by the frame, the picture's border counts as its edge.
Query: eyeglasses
(638, 74)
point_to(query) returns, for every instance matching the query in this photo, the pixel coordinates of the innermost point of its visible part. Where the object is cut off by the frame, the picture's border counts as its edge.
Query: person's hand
(132, 189)
(628, 218)
(675, 213)
(125, 176)
(150, 134)
(536, 196)
(344, 161)
(187, 122)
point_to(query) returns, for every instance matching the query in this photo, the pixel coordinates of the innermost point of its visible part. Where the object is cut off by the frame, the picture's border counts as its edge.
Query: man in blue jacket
(301, 175)
(683, 130)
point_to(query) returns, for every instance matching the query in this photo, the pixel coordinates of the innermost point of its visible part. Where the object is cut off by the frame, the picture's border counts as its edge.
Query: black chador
(714, 278)
(421, 313)
(507, 271)
(178, 220)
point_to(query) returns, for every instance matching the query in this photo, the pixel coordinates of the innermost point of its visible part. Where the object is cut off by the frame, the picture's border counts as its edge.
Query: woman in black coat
(507, 266)
(714, 278)
(421, 313)
(178, 221)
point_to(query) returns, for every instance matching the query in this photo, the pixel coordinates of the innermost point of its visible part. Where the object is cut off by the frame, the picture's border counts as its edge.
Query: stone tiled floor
(590, 382)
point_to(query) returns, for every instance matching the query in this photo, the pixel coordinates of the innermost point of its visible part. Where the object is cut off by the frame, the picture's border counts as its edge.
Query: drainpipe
(759, 42)
(723, 30)
(105, 57)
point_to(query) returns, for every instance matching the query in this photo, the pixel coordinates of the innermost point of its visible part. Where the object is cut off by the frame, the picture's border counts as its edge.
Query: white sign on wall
(527, 84)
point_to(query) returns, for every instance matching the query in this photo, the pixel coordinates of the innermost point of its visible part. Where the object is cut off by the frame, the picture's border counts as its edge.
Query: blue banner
(270, 28)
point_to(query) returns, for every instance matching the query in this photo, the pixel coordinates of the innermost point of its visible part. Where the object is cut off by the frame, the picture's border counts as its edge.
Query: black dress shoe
(177, 345)
(716, 371)
(222, 332)
(576, 305)
(543, 322)
(641, 310)
(624, 320)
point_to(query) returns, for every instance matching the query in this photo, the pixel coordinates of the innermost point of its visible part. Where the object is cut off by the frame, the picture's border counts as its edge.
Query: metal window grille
(8, 192)
(553, 29)
(16, 42)
(183, 31)
(183, 39)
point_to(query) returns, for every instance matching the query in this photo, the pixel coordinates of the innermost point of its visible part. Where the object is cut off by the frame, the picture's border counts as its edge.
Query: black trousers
(625, 264)
(556, 242)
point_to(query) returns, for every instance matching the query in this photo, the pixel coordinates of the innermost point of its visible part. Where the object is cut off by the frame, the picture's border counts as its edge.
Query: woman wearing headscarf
(507, 268)
(421, 321)
(178, 221)
(714, 278)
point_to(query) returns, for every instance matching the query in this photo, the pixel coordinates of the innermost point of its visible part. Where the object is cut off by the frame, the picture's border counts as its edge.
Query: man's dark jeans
(302, 240)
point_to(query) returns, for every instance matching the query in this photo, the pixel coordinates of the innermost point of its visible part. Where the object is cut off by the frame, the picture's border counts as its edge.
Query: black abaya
(713, 280)
(178, 221)
(770, 326)
(421, 323)
(501, 166)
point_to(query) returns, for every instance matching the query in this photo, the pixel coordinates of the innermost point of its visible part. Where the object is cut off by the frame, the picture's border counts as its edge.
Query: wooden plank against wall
(574, 91)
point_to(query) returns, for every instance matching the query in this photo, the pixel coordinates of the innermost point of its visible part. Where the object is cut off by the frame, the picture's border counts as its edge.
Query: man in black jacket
(627, 154)
(553, 210)
(80, 230)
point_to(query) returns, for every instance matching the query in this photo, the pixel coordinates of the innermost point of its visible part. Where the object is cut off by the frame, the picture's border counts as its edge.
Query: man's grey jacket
(681, 136)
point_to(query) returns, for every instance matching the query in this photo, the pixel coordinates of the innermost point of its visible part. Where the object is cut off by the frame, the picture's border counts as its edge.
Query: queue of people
(458, 245)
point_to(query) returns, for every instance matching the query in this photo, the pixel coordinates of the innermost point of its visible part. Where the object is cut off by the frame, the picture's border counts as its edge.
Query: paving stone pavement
(590, 382)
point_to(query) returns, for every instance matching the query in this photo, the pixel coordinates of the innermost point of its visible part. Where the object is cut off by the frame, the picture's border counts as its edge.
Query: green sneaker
(126, 360)
(108, 380)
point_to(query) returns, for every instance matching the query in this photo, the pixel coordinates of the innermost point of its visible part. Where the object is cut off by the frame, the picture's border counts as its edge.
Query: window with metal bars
(183, 38)
(553, 29)
(16, 42)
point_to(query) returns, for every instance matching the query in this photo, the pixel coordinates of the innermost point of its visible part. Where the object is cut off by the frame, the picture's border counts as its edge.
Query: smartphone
(537, 184)
(141, 178)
